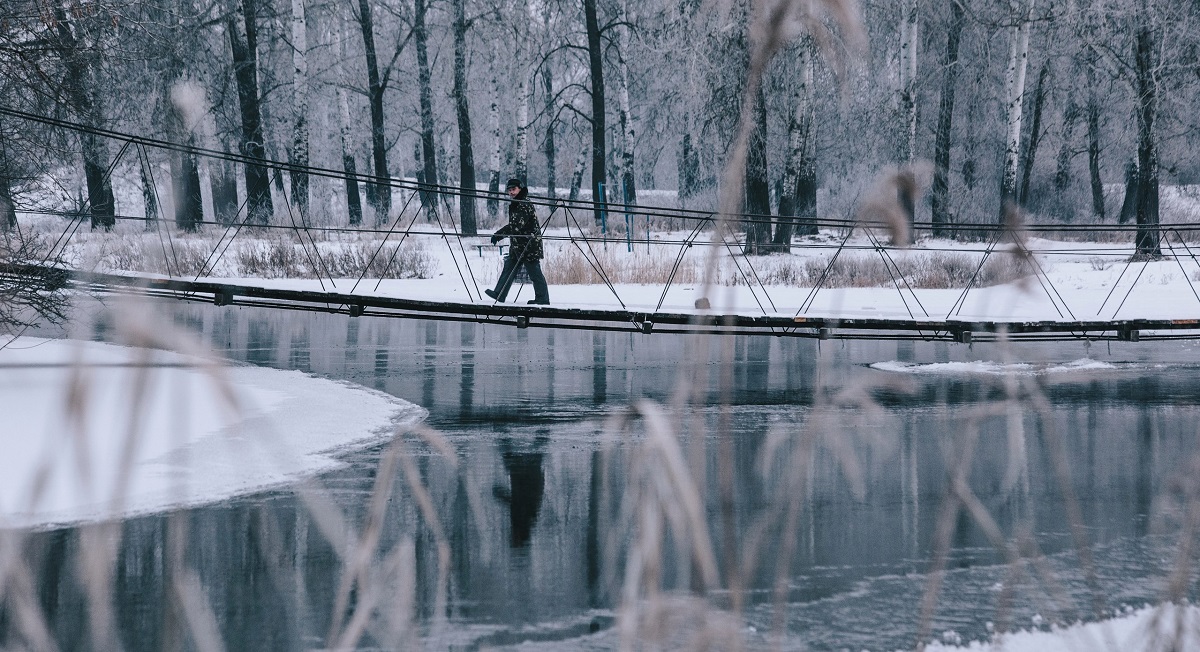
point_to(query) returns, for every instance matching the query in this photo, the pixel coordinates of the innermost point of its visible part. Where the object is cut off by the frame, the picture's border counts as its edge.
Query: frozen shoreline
(99, 431)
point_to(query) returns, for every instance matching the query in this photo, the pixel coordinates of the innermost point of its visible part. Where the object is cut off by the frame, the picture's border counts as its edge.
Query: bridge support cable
(1145, 264)
(1177, 261)
(889, 263)
(85, 210)
(738, 267)
(297, 229)
(148, 171)
(339, 174)
(1044, 280)
(1128, 263)
(596, 266)
(961, 301)
(453, 256)
(383, 242)
(218, 250)
(454, 229)
(806, 305)
(683, 248)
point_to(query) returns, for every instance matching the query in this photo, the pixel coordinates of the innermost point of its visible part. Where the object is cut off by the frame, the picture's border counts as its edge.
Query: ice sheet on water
(97, 431)
(987, 367)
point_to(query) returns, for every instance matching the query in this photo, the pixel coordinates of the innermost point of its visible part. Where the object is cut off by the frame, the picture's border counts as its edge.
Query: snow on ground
(1083, 281)
(97, 431)
(1166, 627)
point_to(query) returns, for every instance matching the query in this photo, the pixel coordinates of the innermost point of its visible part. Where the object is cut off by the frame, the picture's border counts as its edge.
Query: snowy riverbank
(96, 431)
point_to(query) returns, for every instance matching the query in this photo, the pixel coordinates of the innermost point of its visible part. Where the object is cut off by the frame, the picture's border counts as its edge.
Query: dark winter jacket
(523, 228)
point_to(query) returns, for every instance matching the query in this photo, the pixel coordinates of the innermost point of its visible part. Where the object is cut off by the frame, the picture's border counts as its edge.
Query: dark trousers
(541, 293)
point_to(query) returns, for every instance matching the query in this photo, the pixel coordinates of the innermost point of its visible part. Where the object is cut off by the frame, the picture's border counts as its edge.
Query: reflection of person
(526, 249)
(526, 483)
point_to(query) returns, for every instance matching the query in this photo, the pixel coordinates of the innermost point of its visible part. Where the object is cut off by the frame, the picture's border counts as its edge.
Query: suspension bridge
(785, 312)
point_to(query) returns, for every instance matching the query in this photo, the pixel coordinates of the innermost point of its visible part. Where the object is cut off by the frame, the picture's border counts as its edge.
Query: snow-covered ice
(1165, 627)
(97, 431)
(987, 367)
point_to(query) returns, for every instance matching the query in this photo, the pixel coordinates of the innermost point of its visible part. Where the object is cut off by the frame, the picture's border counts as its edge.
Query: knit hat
(513, 183)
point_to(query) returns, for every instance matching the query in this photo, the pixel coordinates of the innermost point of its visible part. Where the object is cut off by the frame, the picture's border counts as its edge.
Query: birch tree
(1014, 86)
(299, 148)
(799, 198)
(548, 145)
(349, 165)
(493, 203)
(625, 113)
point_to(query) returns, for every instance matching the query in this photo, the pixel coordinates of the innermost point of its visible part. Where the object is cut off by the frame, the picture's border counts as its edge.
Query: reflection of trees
(526, 483)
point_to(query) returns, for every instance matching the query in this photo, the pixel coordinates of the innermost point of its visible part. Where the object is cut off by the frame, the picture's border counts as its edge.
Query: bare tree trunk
(1093, 125)
(349, 165)
(8, 211)
(78, 63)
(798, 194)
(1147, 245)
(1035, 128)
(300, 108)
(185, 177)
(1097, 183)
(149, 195)
(1018, 59)
(596, 67)
(243, 41)
(524, 95)
(909, 44)
(758, 188)
(549, 147)
(379, 194)
(577, 173)
(428, 145)
(625, 114)
(1062, 172)
(493, 203)
(189, 208)
(462, 108)
(688, 166)
(940, 199)
(1130, 204)
(224, 192)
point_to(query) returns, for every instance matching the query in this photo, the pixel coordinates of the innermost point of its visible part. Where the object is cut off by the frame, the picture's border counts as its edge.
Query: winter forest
(1075, 110)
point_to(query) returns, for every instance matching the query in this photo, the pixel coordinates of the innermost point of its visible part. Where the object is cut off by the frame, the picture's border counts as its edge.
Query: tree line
(1046, 105)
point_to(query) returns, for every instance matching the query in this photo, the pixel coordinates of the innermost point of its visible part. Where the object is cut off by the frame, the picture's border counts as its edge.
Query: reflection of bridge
(438, 207)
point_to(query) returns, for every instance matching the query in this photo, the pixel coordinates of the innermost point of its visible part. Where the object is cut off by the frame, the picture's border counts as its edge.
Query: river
(528, 512)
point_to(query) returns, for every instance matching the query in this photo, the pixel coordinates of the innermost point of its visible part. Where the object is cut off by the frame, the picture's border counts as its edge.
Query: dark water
(527, 509)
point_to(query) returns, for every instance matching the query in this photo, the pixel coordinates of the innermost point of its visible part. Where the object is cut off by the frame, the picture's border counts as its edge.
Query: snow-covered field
(97, 431)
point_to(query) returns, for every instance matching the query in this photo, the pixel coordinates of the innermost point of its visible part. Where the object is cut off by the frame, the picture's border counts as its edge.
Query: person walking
(525, 238)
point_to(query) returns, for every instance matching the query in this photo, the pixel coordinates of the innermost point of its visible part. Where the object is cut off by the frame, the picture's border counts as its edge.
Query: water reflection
(526, 482)
(526, 508)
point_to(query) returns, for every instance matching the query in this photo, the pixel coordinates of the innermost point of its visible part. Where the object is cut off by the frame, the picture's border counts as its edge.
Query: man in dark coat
(525, 246)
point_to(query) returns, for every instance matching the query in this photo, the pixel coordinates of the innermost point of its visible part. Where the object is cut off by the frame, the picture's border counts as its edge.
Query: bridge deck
(642, 321)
